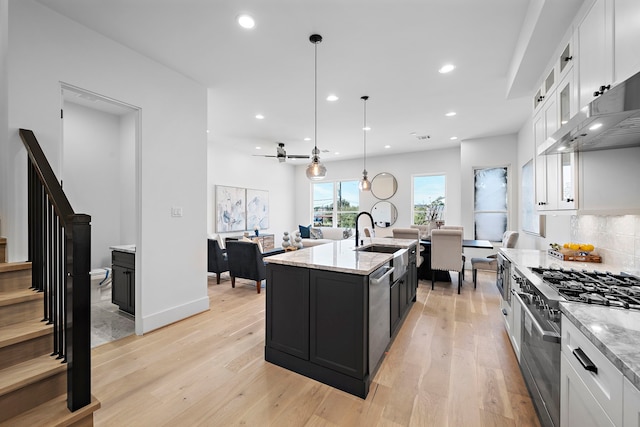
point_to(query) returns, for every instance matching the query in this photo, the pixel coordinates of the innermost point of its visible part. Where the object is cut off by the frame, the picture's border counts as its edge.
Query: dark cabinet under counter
(123, 265)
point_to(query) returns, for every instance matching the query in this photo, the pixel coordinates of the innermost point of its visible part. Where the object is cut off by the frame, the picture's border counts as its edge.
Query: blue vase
(256, 231)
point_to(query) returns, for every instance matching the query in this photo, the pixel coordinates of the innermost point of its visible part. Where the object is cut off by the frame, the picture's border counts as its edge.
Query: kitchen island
(331, 310)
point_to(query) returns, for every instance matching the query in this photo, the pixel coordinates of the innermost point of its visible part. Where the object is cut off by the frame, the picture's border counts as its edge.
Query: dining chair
(509, 240)
(410, 233)
(446, 253)
(461, 228)
(246, 262)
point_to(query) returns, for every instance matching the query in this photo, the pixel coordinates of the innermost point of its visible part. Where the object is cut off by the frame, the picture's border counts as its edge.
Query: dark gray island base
(318, 322)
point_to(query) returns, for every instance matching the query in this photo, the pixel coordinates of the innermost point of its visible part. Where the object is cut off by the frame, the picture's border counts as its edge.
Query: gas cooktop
(594, 287)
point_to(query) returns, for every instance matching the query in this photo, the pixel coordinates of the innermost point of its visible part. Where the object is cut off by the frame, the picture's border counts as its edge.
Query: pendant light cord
(364, 130)
(315, 102)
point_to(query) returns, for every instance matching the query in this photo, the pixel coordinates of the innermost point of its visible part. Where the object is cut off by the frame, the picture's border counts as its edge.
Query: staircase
(33, 384)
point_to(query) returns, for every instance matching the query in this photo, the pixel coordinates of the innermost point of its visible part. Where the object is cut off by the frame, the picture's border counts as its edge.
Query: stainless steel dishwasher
(379, 314)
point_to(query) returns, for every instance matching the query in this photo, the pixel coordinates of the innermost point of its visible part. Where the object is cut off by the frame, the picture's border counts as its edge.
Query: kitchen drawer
(606, 384)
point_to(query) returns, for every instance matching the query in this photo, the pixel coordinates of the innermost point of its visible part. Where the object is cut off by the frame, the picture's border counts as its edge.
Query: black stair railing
(60, 253)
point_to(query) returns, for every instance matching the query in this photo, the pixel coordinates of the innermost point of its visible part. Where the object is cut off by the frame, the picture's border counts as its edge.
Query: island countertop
(341, 256)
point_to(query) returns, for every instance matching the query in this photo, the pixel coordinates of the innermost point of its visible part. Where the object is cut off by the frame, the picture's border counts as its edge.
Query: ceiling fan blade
(263, 155)
(298, 156)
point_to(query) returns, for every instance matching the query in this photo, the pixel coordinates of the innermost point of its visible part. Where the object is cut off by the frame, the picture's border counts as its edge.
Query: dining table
(424, 271)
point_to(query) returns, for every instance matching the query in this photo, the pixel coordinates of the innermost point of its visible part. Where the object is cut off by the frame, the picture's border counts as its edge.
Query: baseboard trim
(174, 314)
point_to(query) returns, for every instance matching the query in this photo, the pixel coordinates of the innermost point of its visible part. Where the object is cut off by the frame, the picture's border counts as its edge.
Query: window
(335, 204)
(428, 198)
(490, 203)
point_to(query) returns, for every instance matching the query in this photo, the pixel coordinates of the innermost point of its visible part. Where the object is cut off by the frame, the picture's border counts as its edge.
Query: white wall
(229, 167)
(92, 175)
(46, 49)
(403, 167)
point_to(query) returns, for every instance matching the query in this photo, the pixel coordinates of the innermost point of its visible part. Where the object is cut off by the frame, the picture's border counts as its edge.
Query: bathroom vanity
(123, 285)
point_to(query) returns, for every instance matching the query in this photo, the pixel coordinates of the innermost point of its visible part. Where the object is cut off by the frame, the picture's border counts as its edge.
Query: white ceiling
(390, 50)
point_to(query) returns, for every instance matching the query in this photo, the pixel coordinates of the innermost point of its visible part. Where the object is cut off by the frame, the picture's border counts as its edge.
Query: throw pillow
(346, 233)
(315, 233)
(305, 231)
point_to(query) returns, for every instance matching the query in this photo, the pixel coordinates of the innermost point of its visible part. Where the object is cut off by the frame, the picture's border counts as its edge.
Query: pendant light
(364, 184)
(315, 170)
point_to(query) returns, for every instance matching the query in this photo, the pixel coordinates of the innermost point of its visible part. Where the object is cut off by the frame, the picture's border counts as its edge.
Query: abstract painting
(257, 209)
(230, 209)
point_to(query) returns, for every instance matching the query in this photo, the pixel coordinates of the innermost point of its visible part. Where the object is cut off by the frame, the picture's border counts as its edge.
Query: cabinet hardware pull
(504, 311)
(569, 200)
(568, 58)
(585, 361)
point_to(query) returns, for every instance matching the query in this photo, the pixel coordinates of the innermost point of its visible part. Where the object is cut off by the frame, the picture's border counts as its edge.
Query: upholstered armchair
(245, 261)
(410, 233)
(446, 253)
(216, 259)
(509, 240)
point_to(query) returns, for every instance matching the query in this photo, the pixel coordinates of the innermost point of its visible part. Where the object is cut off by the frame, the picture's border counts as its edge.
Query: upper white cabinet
(595, 50)
(626, 39)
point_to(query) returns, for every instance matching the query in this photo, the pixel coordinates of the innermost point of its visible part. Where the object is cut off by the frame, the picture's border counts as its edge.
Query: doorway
(99, 173)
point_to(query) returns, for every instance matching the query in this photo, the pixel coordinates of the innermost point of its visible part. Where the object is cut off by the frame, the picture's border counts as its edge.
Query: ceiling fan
(282, 155)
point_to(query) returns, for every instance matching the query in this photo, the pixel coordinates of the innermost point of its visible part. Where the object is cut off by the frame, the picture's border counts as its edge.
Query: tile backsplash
(616, 238)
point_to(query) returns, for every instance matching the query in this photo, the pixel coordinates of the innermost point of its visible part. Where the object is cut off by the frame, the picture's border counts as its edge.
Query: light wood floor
(451, 364)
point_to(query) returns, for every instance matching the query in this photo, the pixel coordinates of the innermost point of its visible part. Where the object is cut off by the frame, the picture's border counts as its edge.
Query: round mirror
(384, 214)
(384, 185)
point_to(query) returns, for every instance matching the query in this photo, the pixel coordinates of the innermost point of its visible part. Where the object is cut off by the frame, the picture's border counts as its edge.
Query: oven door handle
(550, 336)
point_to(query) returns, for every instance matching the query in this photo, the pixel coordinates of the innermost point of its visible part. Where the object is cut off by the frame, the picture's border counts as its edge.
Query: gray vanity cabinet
(123, 265)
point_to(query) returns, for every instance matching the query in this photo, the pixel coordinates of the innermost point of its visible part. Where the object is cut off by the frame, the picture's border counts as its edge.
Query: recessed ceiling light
(595, 126)
(258, 148)
(332, 98)
(259, 116)
(413, 133)
(307, 139)
(337, 153)
(387, 146)
(366, 128)
(451, 114)
(453, 138)
(246, 21)
(446, 68)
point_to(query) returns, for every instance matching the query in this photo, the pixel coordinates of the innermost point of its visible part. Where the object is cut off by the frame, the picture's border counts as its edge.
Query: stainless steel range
(540, 350)
(615, 290)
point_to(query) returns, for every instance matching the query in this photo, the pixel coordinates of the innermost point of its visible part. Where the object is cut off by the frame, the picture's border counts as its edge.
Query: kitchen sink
(378, 248)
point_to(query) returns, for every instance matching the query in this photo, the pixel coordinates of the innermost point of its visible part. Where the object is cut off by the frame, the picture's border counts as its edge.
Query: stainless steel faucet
(373, 226)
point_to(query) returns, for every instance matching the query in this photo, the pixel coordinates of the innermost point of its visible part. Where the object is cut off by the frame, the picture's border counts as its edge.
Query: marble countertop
(124, 248)
(341, 256)
(614, 331)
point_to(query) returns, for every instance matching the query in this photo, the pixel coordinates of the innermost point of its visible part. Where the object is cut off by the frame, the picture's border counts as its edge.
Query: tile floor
(108, 323)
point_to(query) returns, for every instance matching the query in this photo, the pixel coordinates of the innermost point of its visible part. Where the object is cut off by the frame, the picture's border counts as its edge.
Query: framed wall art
(257, 209)
(231, 212)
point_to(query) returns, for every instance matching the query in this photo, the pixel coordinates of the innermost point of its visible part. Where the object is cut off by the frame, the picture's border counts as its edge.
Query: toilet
(100, 284)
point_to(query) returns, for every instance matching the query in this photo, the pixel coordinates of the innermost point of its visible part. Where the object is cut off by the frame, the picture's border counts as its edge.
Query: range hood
(609, 121)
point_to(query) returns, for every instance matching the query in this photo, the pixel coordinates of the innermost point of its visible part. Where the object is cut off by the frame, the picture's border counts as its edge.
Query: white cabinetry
(626, 39)
(631, 405)
(515, 317)
(591, 387)
(595, 50)
(608, 45)
(556, 174)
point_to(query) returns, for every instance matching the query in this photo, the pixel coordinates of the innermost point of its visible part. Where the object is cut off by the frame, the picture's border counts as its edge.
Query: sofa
(329, 234)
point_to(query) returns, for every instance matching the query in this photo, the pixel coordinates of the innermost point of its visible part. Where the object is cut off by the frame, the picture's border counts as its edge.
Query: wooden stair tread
(53, 412)
(19, 332)
(15, 266)
(29, 372)
(16, 297)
